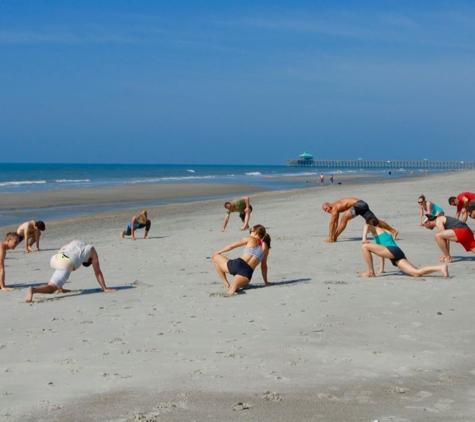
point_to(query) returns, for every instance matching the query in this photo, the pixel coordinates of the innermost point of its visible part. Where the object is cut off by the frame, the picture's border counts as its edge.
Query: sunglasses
(420, 202)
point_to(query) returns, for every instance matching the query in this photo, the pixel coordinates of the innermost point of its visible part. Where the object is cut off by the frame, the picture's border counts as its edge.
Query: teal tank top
(385, 239)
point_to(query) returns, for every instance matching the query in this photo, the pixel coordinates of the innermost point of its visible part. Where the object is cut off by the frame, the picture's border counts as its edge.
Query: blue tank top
(385, 239)
(435, 209)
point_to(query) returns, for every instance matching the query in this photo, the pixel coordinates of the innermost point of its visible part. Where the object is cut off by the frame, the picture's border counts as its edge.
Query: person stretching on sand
(70, 258)
(138, 222)
(11, 241)
(428, 207)
(450, 229)
(384, 246)
(351, 207)
(243, 207)
(31, 232)
(461, 201)
(256, 251)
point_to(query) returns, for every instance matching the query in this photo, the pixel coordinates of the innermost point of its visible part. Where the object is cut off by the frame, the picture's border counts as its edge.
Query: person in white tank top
(68, 259)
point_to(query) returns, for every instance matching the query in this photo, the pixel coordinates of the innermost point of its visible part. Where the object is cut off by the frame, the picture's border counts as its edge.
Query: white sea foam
(254, 173)
(72, 180)
(23, 182)
(191, 171)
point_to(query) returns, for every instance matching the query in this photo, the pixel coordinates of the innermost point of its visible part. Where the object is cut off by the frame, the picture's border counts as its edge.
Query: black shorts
(240, 267)
(242, 215)
(361, 208)
(397, 253)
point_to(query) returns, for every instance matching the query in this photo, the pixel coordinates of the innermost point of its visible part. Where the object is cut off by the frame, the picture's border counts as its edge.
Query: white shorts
(63, 267)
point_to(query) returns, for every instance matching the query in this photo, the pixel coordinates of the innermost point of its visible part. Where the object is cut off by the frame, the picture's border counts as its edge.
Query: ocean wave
(191, 171)
(72, 180)
(253, 173)
(166, 179)
(23, 182)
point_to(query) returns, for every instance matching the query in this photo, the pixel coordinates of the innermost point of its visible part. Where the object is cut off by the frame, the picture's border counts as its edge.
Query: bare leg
(407, 267)
(368, 249)
(443, 239)
(44, 289)
(238, 282)
(246, 221)
(221, 264)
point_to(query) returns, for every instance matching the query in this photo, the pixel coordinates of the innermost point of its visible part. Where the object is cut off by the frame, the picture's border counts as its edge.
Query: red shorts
(465, 238)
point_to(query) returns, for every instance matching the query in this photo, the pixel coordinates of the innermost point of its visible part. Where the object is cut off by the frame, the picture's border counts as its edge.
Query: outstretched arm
(225, 223)
(332, 227)
(98, 273)
(3, 253)
(232, 246)
(132, 234)
(264, 269)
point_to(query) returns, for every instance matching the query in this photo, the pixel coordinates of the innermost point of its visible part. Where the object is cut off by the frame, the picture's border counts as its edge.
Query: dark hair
(87, 263)
(41, 225)
(226, 204)
(452, 200)
(421, 196)
(266, 239)
(373, 221)
(262, 233)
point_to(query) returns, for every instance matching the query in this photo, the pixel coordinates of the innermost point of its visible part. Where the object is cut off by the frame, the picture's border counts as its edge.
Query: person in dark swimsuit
(350, 208)
(256, 251)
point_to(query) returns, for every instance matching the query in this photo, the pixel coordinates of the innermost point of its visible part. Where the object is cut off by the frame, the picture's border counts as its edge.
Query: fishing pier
(307, 160)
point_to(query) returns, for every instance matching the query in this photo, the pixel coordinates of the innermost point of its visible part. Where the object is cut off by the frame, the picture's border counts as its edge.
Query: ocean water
(18, 178)
(21, 178)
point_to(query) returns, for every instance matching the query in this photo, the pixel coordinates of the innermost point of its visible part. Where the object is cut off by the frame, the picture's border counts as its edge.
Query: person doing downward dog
(386, 247)
(428, 207)
(256, 251)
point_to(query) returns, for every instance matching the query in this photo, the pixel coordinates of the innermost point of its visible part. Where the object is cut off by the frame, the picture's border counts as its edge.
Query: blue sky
(236, 82)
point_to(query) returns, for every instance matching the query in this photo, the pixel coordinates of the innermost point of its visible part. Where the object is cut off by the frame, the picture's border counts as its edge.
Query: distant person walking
(350, 207)
(450, 229)
(31, 231)
(461, 202)
(331, 179)
(10, 243)
(241, 206)
(138, 222)
(385, 247)
(322, 178)
(68, 259)
(428, 207)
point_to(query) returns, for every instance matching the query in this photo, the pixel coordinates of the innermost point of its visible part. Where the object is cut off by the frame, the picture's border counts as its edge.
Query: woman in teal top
(427, 207)
(386, 247)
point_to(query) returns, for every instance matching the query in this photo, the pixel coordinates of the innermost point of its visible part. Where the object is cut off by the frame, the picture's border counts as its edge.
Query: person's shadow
(277, 283)
(74, 292)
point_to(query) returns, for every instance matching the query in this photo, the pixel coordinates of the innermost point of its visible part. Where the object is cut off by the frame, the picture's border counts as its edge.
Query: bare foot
(29, 295)
(395, 233)
(445, 259)
(244, 228)
(445, 271)
(62, 291)
(381, 272)
(366, 274)
(146, 237)
(8, 289)
(330, 240)
(122, 236)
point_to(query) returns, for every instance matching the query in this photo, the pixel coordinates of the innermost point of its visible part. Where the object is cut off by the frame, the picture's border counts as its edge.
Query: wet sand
(320, 345)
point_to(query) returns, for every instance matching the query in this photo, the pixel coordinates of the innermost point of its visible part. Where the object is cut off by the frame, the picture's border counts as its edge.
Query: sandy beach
(320, 345)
